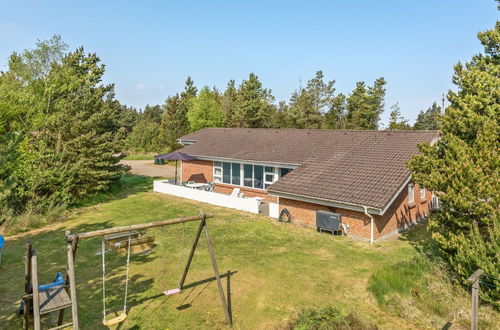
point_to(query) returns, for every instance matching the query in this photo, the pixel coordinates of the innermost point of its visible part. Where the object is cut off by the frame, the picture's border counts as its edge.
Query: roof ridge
(322, 129)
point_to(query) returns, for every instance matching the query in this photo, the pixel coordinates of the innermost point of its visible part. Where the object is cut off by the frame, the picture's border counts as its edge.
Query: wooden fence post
(474, 279)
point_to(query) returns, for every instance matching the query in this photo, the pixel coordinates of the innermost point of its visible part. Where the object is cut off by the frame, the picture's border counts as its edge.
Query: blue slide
(58, 281)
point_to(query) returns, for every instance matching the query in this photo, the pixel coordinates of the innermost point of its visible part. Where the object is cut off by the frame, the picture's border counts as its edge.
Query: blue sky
(150, 47)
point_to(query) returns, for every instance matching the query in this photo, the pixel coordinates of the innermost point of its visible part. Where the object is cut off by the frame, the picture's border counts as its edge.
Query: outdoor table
(196, 185)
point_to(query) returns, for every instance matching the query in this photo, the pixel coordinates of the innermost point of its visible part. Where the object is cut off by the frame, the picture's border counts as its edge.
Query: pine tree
(463, 168)
(229, 99)
(205, 110)
(429, 119)
(308, 105)
(179, 124)
(254, 105)
(396, 120)
(365, 105)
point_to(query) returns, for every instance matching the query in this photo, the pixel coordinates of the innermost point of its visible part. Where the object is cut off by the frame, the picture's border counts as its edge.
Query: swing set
(72, 245)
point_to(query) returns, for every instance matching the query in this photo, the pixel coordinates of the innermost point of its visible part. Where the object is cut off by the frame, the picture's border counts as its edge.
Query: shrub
(322, 318)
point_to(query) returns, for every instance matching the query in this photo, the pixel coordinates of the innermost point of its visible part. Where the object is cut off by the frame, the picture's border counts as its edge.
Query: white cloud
(162, 87)
(140, 86)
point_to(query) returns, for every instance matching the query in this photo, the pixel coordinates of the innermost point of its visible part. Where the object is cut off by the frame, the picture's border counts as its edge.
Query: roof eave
(326, 202)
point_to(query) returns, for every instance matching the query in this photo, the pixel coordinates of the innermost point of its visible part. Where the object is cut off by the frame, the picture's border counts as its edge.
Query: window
(248, 175)
(284, 171)
(269, 176)
(226, 172)
(258, 176)
(422, 193)
(235, 174)
(217, 172)
(411, 193)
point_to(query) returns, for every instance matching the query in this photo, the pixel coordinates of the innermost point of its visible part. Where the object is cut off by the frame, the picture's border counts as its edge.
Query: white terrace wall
(242, 204)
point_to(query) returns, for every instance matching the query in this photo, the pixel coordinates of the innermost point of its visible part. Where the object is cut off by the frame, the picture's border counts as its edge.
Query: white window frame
(411, 193)
(219, 167)
(217, 177)
(273, 173)
(423, 193)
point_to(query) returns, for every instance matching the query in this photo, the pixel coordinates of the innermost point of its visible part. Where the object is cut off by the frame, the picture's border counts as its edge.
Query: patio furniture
(235, 192)
(197, 185)
(174, 156)
(209, 186)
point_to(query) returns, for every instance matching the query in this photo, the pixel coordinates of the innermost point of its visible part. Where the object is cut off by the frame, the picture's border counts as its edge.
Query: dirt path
(148, 168)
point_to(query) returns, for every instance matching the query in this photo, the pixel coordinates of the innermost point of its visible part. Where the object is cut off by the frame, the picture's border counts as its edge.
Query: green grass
(277, 270)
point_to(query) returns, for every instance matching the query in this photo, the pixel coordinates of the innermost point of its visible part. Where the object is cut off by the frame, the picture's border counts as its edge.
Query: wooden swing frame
(72, 245)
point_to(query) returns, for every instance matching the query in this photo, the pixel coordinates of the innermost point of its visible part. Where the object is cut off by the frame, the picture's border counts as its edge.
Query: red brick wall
(396, 218)
(197, 170)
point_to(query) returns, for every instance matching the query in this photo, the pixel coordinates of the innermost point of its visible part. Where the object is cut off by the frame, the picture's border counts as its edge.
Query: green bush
(323, 318)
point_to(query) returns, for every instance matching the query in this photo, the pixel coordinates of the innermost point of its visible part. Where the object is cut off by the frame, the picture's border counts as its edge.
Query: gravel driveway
(148, 168)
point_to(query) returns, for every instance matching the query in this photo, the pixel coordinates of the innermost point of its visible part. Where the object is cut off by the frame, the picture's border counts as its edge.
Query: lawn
(277, 270)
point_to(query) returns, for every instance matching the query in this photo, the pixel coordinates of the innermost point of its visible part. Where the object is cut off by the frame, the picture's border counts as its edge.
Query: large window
(247, 175)
(258, 176)
(235, 174)
(226, 172)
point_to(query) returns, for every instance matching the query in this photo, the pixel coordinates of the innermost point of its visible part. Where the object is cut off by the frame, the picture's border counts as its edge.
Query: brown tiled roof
(349, 166)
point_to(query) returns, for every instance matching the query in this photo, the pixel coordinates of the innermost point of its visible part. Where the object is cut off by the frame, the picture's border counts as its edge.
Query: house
(359, 174)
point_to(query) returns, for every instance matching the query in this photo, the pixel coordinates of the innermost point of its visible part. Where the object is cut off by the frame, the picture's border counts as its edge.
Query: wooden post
(474, 279)
(72, 282)
(102, 232)
(36, 302)
(193, 249)
(74, 245)
(27, 285)
(217, 277)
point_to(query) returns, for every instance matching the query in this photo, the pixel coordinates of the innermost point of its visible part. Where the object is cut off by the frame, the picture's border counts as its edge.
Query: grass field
(277, 270)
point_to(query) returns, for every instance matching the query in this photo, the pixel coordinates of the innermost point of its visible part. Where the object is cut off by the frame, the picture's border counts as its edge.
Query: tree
(25, 96)
(153, 113)
(229, 99)
(66, 124)
(396, 120)
(429, 119)
(365, 105)
(178, 125)
(308, 105)
(205, 110)
(463, 168)
(254, 105)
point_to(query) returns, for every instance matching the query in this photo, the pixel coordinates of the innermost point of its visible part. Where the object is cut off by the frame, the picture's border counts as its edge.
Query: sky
(150, 47)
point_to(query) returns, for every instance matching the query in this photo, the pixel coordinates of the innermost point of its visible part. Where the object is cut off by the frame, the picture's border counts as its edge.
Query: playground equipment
(120, 318)
(72, 245)
(43, 299)
(2, 242)
(119, 242)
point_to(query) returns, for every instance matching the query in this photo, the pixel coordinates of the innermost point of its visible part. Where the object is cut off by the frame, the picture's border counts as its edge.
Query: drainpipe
(371, 223)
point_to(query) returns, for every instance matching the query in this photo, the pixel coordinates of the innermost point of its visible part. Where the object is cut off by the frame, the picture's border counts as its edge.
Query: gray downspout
(371, 223)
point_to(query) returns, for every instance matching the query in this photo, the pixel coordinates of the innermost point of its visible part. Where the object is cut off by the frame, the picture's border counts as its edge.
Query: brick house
(360, 175)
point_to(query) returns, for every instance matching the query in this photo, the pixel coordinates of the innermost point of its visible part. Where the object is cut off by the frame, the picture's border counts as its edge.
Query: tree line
(61, 130)
(249, 104)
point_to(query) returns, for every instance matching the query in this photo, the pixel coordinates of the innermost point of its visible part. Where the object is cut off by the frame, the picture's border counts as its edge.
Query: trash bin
(161, 161)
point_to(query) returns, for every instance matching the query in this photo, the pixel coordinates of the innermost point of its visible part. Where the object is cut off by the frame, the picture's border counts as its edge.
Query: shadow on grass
(421, 240)
(129, 184)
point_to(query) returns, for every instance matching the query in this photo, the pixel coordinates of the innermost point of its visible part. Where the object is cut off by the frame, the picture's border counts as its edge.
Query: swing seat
(173, 291)
(114, 321)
